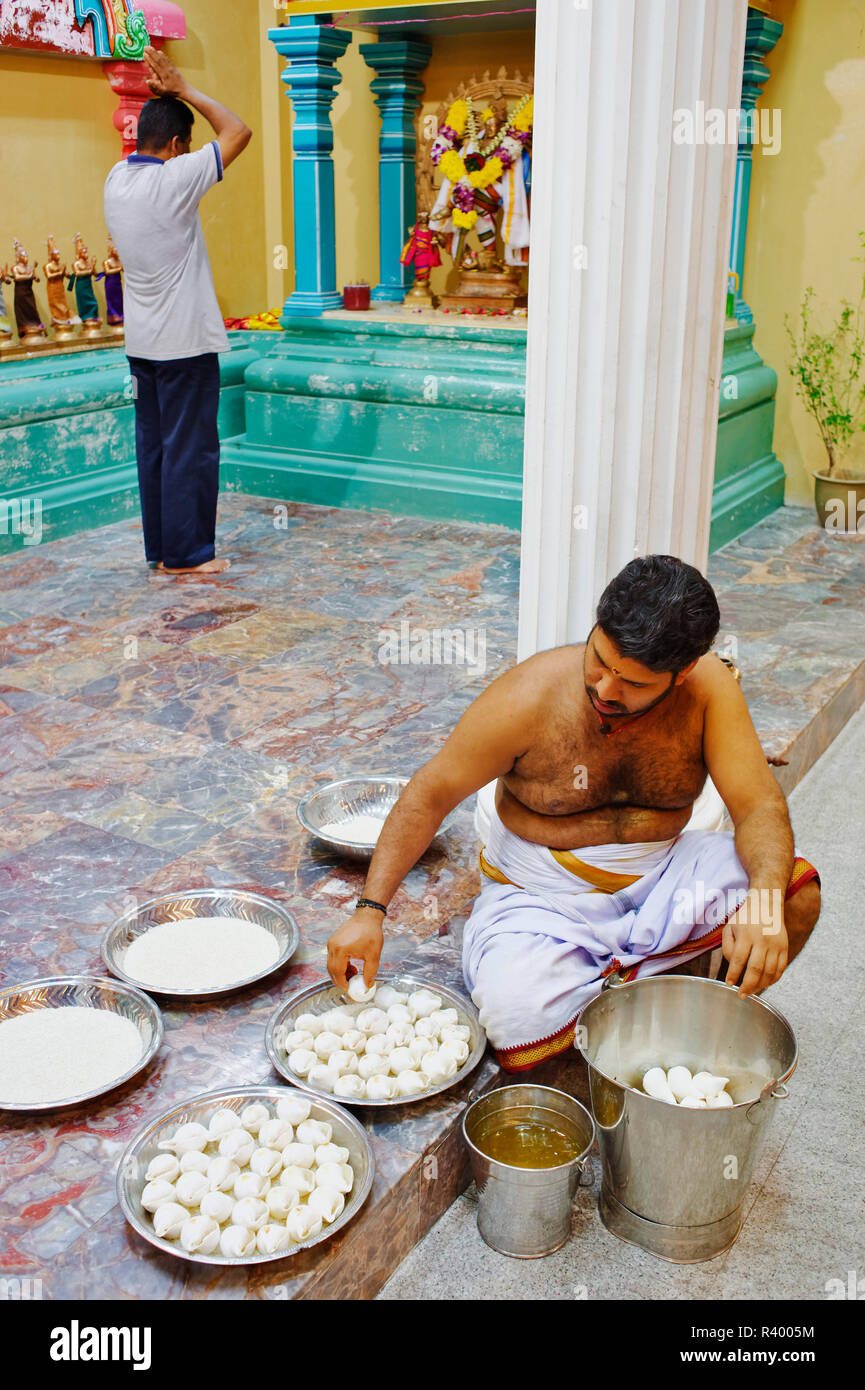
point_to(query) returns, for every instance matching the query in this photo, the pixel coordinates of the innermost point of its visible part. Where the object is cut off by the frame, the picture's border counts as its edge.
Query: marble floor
(157, 732)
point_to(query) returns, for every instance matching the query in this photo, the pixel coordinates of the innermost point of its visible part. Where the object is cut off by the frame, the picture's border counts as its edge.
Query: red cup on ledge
(356, 296)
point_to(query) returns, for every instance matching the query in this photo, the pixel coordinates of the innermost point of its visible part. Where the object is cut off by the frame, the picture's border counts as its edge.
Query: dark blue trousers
(177, 447)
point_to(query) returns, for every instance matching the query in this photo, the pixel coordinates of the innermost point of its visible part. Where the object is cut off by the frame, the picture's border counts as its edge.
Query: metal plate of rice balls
(293, 1017)
(226, 939)
(159, 1139)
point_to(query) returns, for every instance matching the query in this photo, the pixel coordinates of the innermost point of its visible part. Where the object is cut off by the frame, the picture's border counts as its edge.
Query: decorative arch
(118, 30)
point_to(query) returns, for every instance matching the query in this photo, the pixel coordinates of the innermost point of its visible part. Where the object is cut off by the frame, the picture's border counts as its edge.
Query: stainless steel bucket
(526, 1212)
(674, 1179)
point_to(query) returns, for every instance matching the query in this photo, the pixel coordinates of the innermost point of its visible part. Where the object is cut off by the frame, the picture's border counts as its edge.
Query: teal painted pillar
(760, 38)
(311, 49)
(397, 90)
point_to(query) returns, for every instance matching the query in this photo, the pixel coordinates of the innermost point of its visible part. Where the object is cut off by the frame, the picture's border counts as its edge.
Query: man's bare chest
(571, 771)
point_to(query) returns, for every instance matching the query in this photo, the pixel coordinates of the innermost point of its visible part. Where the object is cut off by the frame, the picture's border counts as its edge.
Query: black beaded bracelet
(368, 902)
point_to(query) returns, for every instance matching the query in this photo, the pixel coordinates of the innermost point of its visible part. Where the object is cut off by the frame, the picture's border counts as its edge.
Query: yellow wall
(808, 203)
(222, 55)
(57, 143)
(356, 126)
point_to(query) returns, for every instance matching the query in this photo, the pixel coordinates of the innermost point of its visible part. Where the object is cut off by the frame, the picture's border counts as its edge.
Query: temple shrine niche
(444, 191)
(409, 395)
(482, 156)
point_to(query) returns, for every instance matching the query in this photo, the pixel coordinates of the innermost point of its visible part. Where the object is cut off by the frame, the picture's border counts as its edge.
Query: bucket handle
(612, 981)
(586, 1171)
(776, 1090)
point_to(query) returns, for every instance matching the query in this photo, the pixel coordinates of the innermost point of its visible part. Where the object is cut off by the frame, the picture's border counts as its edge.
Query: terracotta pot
(840, 503)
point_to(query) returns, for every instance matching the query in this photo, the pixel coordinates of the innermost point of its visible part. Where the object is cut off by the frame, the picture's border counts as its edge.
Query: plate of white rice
(200, 943)
(68, 1039)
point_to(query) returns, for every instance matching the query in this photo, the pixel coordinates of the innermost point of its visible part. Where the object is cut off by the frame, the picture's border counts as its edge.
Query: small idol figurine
(30, 326)
(422, 248)
(112, 270)
(55, 272)
(5, 325)
(81, 281)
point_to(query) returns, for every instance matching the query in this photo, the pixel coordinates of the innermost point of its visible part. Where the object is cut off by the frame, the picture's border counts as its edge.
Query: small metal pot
(526, 1212)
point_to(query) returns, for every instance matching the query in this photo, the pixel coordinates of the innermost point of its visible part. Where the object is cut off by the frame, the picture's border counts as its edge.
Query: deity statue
(81, 281)
(5, 326)
(112, 269)
(422, 249)
(55, 272)
(486, 170)
(30, 326)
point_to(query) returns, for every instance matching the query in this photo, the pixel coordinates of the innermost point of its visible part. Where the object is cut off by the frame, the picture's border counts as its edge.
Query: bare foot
(209, 567)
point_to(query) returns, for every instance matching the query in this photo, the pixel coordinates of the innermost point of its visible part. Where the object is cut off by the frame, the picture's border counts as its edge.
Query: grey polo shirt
(151, 211)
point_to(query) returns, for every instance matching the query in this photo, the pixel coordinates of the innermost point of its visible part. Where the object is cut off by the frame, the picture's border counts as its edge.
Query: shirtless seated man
(600, 750)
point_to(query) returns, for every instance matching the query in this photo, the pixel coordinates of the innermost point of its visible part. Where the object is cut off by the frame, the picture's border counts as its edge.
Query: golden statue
(112, 269)
(81, 280)
(6, 339)
(61, 315)
(30, 327)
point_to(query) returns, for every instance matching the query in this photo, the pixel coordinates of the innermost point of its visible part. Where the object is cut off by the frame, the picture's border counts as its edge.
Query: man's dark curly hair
(661, 612)
(161, 119)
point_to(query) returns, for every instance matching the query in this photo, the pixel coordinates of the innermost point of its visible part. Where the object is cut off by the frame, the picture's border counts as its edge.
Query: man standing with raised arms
(597, 752)
(173, 325)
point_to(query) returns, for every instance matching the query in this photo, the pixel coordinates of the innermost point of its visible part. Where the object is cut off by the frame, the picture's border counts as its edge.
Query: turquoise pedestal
(67, 438)
(412, 418)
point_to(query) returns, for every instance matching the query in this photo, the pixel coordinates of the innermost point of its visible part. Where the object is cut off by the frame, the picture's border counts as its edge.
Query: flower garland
(484, 166)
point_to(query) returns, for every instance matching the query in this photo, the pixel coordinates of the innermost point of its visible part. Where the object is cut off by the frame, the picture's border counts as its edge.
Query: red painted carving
(127, 81)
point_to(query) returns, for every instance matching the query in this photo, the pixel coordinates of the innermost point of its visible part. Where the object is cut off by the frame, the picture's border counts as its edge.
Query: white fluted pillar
(625, 332)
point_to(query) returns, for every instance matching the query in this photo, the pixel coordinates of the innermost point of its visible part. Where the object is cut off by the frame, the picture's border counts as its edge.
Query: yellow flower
(487, 113)
(491, 171)
(456, 116)
(523, 119)
(463, 219)
(452, 166)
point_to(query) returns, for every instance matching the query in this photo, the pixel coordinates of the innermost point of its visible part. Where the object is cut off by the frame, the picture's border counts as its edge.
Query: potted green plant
(829, 371)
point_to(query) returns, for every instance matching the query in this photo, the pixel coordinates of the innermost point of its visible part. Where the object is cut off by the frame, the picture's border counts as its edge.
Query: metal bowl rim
(117, 987)
(284, 957)
(556, 1168)
(390, 779)
(303, 995)
(695, 979)
(273, 1093)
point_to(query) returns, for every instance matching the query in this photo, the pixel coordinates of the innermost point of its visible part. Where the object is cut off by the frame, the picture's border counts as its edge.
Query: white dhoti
(550, 924)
